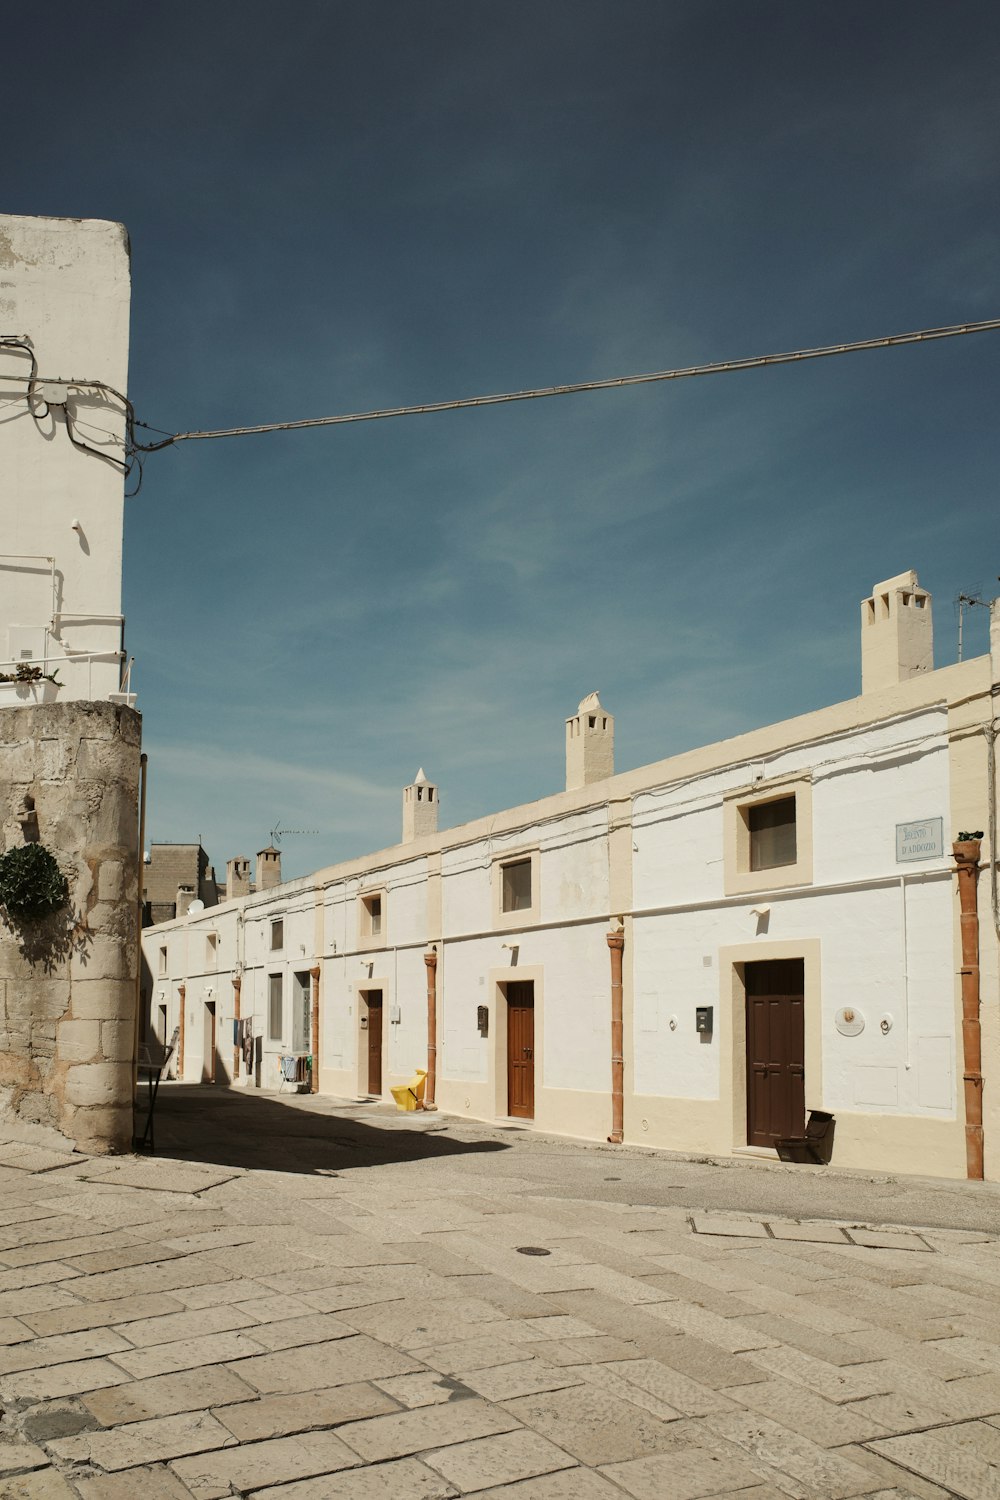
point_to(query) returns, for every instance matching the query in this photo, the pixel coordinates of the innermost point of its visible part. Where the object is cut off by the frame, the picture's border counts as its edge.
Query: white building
(64, 312)
(783, 905)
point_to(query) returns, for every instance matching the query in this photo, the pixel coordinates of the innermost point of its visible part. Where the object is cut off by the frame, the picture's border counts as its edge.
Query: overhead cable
(924, 335)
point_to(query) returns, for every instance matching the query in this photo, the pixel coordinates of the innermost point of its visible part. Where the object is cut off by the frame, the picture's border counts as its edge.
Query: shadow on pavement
(221, 1126)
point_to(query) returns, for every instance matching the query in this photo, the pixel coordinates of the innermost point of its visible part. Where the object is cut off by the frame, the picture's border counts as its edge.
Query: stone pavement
(302, 1301)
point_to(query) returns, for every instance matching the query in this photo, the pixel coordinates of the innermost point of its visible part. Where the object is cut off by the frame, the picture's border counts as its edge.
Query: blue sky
(339, 206)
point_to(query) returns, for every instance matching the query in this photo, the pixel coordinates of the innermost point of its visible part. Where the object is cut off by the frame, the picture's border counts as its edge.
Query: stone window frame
(271, 1035)
(739, 878)
(508, 920)
(367, 937)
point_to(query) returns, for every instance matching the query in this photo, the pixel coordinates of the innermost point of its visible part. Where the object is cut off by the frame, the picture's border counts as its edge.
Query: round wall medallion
(849, 1021)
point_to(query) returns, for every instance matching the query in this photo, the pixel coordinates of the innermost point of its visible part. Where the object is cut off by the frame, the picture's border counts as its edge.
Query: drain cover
(532, 1250)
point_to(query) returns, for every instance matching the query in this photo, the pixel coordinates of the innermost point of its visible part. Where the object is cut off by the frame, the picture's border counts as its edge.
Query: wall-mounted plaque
(849, 1021)
(922, 840)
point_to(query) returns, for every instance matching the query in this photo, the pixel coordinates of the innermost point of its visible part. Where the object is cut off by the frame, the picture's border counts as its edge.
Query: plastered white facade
(64, 301)
(654, 850)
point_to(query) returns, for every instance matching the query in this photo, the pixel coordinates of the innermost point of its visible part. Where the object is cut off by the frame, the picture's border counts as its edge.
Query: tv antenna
(277, 832)
(964, 602)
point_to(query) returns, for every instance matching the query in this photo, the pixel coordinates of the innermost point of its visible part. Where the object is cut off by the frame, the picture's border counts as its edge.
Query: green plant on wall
(31, 883)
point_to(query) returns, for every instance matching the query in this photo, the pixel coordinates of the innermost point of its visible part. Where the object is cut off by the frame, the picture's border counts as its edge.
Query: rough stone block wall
(68, 981)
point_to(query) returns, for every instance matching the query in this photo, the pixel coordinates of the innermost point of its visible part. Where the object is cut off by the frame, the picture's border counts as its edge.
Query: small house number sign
(923, 840)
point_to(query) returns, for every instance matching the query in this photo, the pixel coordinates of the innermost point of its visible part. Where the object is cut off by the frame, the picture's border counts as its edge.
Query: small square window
(374, 905)
(275, 1007)
(771, 826)
(277, 935)
(767, 833)
(162, 966)
(516, 886)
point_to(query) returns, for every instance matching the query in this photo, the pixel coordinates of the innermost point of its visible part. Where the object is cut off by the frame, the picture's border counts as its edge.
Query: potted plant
(28, 684)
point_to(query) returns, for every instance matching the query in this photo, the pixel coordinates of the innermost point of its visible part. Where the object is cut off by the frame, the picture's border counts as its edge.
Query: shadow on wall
(229, 1128)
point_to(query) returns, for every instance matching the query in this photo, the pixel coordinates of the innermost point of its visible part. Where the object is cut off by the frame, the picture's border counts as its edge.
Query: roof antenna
(964, 602)
(277, 832)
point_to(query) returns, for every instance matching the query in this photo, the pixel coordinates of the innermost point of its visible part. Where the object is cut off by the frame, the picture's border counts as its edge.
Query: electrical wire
(616, 382)
(133, 446)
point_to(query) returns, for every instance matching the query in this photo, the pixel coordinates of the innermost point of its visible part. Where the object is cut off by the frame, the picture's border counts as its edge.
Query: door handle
(528, 1052)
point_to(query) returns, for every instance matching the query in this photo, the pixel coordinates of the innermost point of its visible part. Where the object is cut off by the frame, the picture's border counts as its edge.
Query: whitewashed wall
(883, 933)
(65, 285)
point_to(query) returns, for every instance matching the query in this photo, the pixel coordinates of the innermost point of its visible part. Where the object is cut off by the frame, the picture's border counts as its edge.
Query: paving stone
(594, 1350)
(408, 1432)
(15, 1279)
(508, 1344)
(801, 1410)
(812, 1234)
(837, 1383)
(280, 1416)
(13, 1331)
(491, 1461)
(220, 1293)
(338, 1298)
(169, 1328)
(706, 1363)
(155, 1483)
(252, 1465)
(825, 1475)
(885, 1343)
(158, 1276)
(746, 1229)
(426, 1388)
(42, 1484)
(881, 1239)
(166, 1395)
(186, 1354)
(63, 1380)
(565, 1484)
(342, 1362)
(962, 1459)
(728, 1333)
(682, 1474)
(675, 1392)
(522, 1378)
(594, 1427)
(60, 1349)
(895, 1480)
(153, 1441)
(16, 1456)
(74, 1318)
(36, 1299)
(162, 1176)
(832, 1350)
(273, 1309)
(291, 1333)
(897, 1413)
(407, 1477)
(412, 1323)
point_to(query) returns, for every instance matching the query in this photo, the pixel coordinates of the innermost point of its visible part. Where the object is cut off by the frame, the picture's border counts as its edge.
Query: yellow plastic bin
(411, 1095)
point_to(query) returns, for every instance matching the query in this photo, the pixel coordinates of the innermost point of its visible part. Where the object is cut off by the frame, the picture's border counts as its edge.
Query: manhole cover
(532, 1250)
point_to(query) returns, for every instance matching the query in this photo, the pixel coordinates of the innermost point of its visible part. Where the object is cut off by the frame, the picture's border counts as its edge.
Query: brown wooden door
(374, 998)
(521, 1050)
(775, 1050)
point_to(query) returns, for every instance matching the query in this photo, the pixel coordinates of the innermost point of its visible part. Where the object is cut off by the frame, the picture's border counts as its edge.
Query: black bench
(815, 1146)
